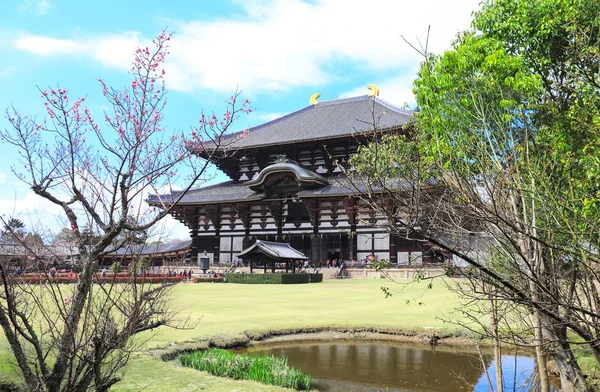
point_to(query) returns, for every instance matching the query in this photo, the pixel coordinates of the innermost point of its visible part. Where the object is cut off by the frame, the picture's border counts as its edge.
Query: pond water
(358, 366)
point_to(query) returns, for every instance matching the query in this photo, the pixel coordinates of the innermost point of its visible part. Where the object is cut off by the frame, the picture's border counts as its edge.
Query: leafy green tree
(14, 230)
(116, 267)
(509, 126)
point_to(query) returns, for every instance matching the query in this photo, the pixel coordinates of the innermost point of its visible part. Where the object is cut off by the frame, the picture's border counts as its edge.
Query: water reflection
(399, 367)
(518, 374)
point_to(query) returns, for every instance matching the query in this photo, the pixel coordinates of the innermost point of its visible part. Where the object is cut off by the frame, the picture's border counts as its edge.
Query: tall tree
(14, 230)
(97, 171)
(508, 124)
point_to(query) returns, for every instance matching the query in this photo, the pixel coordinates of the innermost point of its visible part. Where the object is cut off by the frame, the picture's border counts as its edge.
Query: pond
(382, 366)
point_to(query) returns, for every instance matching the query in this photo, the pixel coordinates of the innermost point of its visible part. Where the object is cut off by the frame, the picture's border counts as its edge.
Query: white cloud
(46, 46)
(396, 90)
(171, 228)
(111, 50)
(32, 210)
(115, 50)
(6, 72)
(283, 44)
(40, 7)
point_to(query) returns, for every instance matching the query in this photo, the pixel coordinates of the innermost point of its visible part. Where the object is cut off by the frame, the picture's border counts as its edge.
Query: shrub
(316, 278)
(116, 267)
(295, 278)
(267, 369)
(207, 280)
(254, 278)
(268, 278)
(119, 278)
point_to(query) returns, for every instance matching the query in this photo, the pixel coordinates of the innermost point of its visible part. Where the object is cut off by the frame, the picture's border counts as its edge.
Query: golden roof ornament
(313, 98)
(374, 90)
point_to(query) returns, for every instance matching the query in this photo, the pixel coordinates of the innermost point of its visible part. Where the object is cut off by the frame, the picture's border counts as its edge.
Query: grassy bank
(232, 309)
(234, 312)
(230, 313)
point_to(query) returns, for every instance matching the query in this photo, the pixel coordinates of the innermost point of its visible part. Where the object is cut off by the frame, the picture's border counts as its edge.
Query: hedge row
(108, 279)
(316, 278)
(274, 278)
(206, 280)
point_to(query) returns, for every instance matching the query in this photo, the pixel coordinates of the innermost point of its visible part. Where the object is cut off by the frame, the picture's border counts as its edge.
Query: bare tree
(76, 338)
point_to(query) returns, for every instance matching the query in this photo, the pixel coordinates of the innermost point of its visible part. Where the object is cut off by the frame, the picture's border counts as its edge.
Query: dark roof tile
(275, 250)
(326, 120)
(220, 193)
(340, 185)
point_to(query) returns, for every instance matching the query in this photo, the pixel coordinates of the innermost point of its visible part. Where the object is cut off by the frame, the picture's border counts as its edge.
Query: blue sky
(279, 52)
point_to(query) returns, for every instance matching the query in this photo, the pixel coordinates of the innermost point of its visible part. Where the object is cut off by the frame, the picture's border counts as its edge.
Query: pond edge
(248, 338)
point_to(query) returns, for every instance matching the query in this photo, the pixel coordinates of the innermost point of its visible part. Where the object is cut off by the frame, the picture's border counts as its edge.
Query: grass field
(228, 310)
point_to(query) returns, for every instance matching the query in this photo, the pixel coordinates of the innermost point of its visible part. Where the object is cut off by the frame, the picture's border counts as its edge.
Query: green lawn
(232, 309)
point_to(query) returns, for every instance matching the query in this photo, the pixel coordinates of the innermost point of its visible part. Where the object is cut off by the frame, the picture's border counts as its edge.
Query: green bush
(269, 278)
(316, 278)
(116, 267)
(295, 278)
(268, 370)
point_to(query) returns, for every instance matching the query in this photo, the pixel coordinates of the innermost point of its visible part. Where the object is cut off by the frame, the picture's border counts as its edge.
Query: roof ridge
(339, 101)
(331, 102)
(408, 112)
(322, 122)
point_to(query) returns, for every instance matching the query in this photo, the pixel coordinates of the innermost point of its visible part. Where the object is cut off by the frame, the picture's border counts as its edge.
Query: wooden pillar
(214, 214)
(243, 211)
(312, 206)
(392, 212)
(276, 209)
(265, 266)
(393, 249)
(351, 211)
(250, 265)
(324, 255)
(315, 248)
(194, 226)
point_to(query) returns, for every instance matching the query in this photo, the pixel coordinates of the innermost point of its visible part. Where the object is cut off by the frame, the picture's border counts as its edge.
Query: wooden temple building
(284, 186)
(272, 255)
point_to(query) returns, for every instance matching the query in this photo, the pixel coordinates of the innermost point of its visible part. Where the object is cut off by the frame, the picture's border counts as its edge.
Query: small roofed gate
(271, 254)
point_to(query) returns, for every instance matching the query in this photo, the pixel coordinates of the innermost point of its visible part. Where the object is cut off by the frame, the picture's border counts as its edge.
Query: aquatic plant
(267, 369)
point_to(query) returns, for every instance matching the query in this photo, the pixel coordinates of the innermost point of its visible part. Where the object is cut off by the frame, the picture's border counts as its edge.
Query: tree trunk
(539, 352)
(497, 344)
(571, 377)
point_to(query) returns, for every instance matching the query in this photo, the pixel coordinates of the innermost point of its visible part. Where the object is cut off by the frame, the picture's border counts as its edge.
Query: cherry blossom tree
(97, 170)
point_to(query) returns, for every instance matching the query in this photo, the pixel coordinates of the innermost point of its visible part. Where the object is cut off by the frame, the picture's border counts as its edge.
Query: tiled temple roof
(275, 250)
(326, 120)
(340, 185)
(219, 193)
(152, 249)
(343, 186)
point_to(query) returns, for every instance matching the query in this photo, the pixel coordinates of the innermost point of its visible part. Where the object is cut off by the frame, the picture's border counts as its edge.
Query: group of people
(185, 274)
(338, 263)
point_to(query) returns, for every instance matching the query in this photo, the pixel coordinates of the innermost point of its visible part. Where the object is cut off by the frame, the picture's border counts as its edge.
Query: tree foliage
(509, 125)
